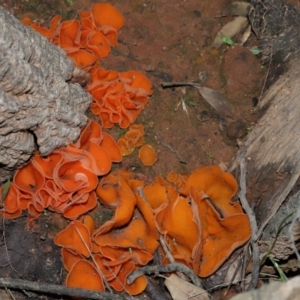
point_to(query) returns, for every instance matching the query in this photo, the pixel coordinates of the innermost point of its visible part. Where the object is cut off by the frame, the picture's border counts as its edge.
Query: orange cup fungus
(192, 218)
(64, 181)
(118, 98)
(85, 40)
(118, 246)
(147, 155)
(132, 139)
(200, 223)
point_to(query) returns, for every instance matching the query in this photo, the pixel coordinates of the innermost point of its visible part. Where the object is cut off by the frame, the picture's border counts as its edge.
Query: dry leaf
(230, 30)
(183, 290)
(212, 97)
(216, 100)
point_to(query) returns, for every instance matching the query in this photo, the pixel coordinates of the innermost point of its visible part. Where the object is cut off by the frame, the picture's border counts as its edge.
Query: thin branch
(169, 255)
(173, 267)
(266, 78)
(94, 261)
(60, 290)
(173, 84)
(170, 148)
(252, 220)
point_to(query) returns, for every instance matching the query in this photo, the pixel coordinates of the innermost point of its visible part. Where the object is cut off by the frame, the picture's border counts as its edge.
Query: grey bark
(40, 109)
(272, 151)
(273, 146)
(276, 290)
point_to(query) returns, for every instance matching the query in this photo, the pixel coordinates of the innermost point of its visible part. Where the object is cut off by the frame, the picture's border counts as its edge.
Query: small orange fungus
(147, 155)
(132, 139)
(75, 237)
(69, 258)
(219, 186)
(85, 276)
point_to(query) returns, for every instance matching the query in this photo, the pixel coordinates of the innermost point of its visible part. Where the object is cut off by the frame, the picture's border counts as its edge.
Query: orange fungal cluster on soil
(134, 138)
(118, 97)
(199, 223)
(64, 181)
(87, 39)
(194, 213)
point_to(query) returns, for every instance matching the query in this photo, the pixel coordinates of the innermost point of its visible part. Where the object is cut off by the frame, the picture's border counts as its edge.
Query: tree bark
(273, 146)
(40, 109)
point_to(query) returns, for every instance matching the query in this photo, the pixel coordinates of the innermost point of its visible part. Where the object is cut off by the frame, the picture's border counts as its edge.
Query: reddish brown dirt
(172, 41)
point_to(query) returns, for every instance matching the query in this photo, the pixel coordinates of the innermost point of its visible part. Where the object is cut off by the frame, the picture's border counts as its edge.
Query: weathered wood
(273, 146)
(39, 108)
(275, 290)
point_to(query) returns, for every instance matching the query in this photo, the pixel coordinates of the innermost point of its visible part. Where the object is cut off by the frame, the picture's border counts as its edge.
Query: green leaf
(227, 40)
(5, 190)
(255, 51)
(278, 269)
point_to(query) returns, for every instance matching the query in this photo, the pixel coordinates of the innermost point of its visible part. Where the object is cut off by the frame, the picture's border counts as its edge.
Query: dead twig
(57, 289)
(169, 255)
(173, 267)
(296, 217)
(212, 97)
(232, 280)
(266, 78)
(252, 220)
(170, 148)
(180, 83)
(94, 261)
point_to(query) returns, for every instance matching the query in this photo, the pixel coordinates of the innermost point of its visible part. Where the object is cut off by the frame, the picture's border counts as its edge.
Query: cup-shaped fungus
(84, 275)
(75, 237)
(220, 236)
(219, 186)
(147, 155)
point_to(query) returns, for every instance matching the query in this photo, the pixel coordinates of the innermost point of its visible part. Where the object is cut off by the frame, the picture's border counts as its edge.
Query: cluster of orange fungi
(64, 181)
(134, 138)
(118, 98)
(194, 214)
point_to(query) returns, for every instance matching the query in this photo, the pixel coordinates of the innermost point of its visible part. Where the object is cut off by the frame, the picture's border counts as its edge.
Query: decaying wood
(275, 290)
(40, 109)
(272, 151)
(273, 146)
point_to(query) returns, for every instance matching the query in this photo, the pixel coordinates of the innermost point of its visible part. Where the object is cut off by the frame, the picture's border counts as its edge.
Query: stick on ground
(60, 290)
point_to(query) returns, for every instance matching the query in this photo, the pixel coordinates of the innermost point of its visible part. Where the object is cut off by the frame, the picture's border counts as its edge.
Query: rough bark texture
(276, 290)
(273, 146)
(39, 109)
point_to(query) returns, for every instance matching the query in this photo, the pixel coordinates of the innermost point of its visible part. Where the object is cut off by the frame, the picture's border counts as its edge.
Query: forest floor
(166, 41)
